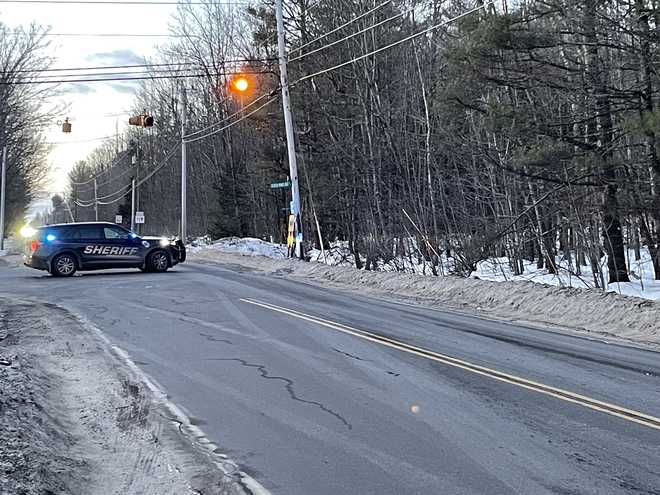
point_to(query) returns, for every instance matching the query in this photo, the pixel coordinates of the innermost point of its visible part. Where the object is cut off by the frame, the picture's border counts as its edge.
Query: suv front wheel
(158, 261)
(63, 265)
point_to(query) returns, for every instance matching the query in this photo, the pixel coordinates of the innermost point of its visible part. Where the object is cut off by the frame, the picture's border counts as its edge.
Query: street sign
(139, 217)
(118, 219)
(280, 185)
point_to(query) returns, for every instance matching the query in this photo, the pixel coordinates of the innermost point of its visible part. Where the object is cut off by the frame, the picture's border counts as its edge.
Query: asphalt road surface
(317, 392)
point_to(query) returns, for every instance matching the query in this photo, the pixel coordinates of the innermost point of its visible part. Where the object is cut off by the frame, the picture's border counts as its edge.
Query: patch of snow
(11, 247)
(248, 246)
(642, 283)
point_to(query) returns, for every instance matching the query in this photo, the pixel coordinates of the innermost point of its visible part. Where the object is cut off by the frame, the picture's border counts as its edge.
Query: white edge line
(194, 432)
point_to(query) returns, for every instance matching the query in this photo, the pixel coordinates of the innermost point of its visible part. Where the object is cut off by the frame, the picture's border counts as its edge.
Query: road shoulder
(75, 419)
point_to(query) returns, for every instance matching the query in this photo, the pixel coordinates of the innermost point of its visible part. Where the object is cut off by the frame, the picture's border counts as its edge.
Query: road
(316, 391)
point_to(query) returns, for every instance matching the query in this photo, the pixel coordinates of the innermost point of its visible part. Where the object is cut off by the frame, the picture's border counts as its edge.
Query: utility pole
(184, 165)
(3, 189)
(133, 205)
(96, 202)
(288, 124)
(136, 191)
(66, 203)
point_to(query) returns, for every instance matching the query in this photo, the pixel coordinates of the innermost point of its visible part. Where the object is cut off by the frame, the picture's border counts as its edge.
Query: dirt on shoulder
(75, 420)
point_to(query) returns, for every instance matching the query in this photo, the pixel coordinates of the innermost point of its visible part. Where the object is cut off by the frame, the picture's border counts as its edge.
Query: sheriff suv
(63, 249)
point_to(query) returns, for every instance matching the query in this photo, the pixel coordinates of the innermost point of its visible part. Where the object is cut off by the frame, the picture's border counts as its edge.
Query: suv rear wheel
(158, 261)
(63, 265)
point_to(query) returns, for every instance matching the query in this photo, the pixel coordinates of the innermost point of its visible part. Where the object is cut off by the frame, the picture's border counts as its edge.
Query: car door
(89, 243)
(121, 247)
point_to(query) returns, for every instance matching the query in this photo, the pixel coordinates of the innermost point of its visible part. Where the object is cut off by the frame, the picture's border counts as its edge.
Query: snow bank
(605, 313)
(642, 283)
(11, 247)
(241, 245)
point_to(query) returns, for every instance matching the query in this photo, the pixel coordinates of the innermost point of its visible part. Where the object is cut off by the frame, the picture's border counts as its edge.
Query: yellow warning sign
(292, 228)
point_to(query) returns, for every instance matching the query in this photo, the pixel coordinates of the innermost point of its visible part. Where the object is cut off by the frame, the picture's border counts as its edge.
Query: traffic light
(66, 125)
(240, 84)
(143, 120)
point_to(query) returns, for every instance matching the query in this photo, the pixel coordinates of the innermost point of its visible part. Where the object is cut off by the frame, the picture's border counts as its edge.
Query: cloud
(78, 88)
(117, 57)
(126, 87)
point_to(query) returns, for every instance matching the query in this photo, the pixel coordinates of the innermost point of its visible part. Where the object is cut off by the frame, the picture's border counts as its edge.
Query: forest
(440, 130)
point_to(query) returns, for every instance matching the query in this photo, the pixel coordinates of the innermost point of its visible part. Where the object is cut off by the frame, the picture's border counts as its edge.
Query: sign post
(139, 217)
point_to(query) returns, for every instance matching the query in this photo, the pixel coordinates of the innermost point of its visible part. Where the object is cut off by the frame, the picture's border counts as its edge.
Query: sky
(92, 108)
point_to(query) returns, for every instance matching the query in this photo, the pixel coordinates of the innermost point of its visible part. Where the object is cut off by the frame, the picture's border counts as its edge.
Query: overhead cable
(339, 28)
(393, 44)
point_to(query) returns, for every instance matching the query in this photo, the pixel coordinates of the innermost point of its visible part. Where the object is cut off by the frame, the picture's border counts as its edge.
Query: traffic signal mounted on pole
(142, 120)
(66, 125)
(239, 84)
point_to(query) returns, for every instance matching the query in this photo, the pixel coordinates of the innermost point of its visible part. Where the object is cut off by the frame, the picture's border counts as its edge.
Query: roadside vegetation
(526, 133)
(23, 117)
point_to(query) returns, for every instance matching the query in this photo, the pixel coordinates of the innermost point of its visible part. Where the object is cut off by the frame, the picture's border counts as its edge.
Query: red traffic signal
(141, 120)
(240, 84)
(66, 125)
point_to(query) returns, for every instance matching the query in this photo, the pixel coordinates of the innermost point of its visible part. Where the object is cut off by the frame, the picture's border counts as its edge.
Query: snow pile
(249, 246)
(642, 283)
(11, 247)
(587, 310)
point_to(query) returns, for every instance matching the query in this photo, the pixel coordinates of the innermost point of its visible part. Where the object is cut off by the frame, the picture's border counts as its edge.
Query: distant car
(63, 249)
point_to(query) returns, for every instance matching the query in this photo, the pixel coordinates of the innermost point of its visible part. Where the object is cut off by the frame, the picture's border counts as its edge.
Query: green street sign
(280, 185)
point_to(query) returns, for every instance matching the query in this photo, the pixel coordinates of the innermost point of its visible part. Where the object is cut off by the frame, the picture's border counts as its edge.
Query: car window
(90, 232)
(68, 234)
(114, 233)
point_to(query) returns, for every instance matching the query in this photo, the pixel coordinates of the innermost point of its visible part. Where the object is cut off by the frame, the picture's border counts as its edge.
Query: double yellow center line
(565, 395)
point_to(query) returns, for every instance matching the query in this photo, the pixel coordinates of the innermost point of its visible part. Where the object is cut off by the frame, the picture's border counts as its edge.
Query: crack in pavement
(213, 338)
(351, 355)
(362, 359)
(288, 386)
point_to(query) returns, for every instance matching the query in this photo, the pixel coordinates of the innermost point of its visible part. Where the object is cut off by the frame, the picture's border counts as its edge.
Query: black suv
(63, 249)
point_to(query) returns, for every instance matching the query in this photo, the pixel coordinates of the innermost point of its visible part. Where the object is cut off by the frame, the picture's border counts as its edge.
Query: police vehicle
(63, 249)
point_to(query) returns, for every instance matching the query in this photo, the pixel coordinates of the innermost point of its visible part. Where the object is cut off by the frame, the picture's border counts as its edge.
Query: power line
(145, 73)
(146, 66)
(80, 140)
(395, 43)
(352, 35)
(355, 19)
(156, 169)
(99, 35)
(273, 37)
(111, 79)
(93, 178)
(125, 192)
(229, 117)
(232, 123)
(120, 2)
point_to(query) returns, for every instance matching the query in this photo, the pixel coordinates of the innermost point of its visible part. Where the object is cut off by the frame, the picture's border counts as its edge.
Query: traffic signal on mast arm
(240, 84)
(142, 120)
